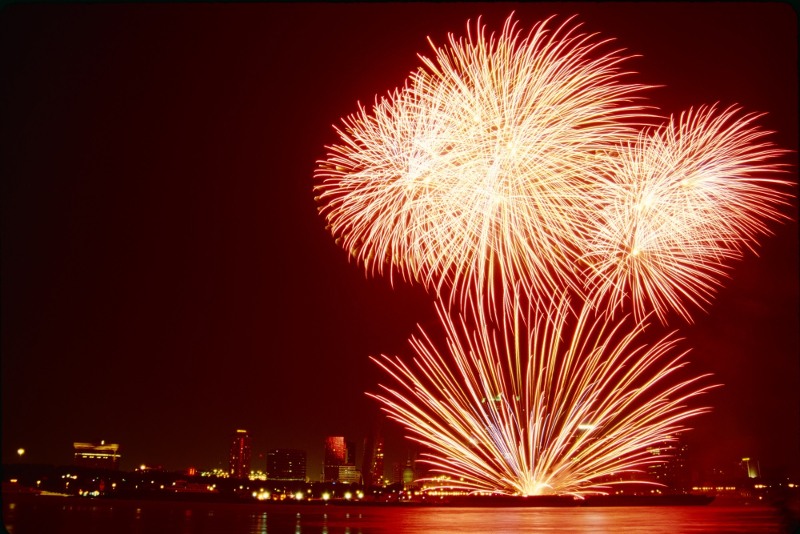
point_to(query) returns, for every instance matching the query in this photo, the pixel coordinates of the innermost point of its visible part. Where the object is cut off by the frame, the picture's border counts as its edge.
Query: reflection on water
(55, 515)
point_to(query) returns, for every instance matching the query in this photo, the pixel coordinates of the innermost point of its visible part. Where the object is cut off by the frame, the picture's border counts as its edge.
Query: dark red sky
(166, 278)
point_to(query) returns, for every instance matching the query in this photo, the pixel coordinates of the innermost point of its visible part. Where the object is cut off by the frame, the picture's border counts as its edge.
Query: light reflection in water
(261, 527)
(21, 515)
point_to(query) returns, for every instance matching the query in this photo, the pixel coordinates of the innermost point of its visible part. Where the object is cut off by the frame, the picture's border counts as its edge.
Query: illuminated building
(408, 475)
(239, 462)
(258, 475)
(671, 465)
(286, 464)
(335, 456)
(372, 462)
(349, 474)
(96, 455)
(660, 468)
(750, 468)
(682, 481)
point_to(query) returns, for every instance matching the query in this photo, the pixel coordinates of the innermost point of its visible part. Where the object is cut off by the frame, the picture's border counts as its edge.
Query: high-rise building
(239, 462)
(670, 464)
(372, 462)
(659, 468)
(335, 456)
(377, 463)
(682, 481)
(98, 455)
(350, 452)
(286, 464)
(366, 461)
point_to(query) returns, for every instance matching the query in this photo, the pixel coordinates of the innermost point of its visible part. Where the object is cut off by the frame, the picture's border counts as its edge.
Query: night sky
(166, 278)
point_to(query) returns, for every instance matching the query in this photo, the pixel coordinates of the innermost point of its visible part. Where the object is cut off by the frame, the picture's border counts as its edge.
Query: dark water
(60, 515)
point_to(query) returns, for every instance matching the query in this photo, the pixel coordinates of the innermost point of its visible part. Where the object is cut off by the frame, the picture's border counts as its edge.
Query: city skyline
(166, 278)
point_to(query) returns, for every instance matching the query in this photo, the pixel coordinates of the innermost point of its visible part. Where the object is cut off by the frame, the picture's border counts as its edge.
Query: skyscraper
(239, 462)
(286, 464)
(672, 469)
(372, 462)
(350, 452)
(377, 463)
(335, 456)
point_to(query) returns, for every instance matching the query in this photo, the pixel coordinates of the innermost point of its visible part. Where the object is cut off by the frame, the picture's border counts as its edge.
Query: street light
(20, 452)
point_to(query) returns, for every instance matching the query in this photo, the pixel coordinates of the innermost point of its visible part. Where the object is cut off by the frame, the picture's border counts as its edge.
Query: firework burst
(678, 206)
(508, 173)
(539, 411)
(477, 174)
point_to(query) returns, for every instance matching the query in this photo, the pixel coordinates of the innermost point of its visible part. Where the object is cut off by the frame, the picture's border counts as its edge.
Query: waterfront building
(750, 468)
(239, 459)
(372, 462)
(670, 464)
(408, 476)
(97, 455)
(335, 456)
(682, 474)
(286, 464)
(349, 474)
(377, 463)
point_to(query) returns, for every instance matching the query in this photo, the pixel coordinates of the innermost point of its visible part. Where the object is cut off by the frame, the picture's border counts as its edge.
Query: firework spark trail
(476, 175)
(510, 170)
(505, 412)
(680, 204)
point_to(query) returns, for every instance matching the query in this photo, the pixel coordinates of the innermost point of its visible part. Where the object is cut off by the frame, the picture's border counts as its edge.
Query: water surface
(27, 514)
